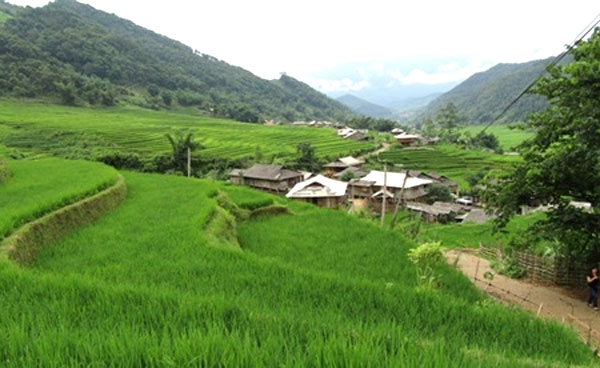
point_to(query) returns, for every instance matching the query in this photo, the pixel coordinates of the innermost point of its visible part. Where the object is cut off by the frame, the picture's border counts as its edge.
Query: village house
(321, 191)
(453, 186)
(270, 178)
(353, 172)
(408, 140)
(349, 133)
(371, 187)
(342, 164)
(442, 212)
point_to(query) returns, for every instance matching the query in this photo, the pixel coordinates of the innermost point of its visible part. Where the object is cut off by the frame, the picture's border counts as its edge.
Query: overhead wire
(593, 24)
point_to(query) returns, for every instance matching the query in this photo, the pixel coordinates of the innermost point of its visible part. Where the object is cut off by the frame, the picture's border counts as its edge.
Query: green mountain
(364, 107)
(74, 54)
(482, 97)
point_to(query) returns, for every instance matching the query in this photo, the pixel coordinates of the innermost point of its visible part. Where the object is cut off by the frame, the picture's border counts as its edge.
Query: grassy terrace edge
(24, 244)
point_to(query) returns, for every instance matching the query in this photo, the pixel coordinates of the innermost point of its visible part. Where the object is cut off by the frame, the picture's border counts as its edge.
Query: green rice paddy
(144, 286)
(91, 133)
(38, 187)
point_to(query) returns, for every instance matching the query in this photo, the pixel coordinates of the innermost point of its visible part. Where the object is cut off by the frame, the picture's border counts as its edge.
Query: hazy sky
(424, 41)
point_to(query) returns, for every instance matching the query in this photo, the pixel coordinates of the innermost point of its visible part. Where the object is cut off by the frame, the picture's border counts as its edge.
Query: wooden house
(453, 186)
(321, 191)
(372, 185)
(342, 164)
(270, 178)
(408, 140)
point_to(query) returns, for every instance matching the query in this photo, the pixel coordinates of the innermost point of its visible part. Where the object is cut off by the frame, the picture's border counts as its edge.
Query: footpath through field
(547, 301)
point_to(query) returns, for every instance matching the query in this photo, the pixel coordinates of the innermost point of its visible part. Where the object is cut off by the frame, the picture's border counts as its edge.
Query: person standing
(592, 283)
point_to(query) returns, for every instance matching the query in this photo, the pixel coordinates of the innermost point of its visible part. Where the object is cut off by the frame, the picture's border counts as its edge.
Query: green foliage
(560, 162)
(438, 192)
(307, 158)
(482, 97)
(347, 176)
(182, 147)
(448, 122)
(427, 257)
(73, 54)
(486, 140)
(370, 123)
(509, 136)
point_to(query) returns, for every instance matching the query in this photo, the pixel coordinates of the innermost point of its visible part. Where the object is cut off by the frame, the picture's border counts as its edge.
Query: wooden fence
(558, 271)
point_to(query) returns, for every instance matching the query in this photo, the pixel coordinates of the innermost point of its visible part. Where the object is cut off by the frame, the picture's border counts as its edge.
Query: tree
(449, 121)
(561, 162)
(182, 147)
(439, 192)
(307, 158)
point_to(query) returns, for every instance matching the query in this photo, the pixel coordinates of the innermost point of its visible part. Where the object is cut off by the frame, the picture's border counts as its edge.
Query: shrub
(426, 257)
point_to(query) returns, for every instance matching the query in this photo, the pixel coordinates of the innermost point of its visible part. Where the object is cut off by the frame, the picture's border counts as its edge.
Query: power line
(554, 62)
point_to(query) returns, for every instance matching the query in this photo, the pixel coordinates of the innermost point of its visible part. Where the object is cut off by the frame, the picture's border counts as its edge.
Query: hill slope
(364, 107)
(82, 56)
(482, 97)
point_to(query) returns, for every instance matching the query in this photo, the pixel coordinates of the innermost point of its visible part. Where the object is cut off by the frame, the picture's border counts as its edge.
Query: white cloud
(344, 84)
(445, 73)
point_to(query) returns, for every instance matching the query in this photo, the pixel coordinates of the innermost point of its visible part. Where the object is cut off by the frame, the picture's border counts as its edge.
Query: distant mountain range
(480, 99)
(402, 110)
(73, 54)
(366, 108)
(483, 97)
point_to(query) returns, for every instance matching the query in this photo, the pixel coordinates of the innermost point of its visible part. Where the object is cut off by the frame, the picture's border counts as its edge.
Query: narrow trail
(546, 301)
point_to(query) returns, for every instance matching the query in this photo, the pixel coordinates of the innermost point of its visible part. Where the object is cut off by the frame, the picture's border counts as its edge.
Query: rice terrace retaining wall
(558, 271)
(24, 245)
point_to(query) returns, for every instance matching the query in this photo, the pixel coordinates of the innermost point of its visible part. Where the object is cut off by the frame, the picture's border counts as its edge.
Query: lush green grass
(508, 137)
(470, 234)
(38, 187)
(454, 162)
(144, 287)
(90, 133)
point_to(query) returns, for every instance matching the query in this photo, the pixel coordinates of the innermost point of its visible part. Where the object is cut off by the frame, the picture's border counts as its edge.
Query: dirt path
(546, 301)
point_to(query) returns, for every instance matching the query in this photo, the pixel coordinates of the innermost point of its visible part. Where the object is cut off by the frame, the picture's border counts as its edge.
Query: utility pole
(384, 194)
(189, 162)
(400, 201)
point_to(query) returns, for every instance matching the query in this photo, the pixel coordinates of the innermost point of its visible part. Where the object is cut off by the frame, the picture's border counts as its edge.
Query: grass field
(451, 161)
(38, 187)
(508, 137)
(470, 234)
(144, 286)
(90, 133)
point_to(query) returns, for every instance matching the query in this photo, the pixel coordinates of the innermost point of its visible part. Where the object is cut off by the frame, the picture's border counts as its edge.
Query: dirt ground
(546, 301)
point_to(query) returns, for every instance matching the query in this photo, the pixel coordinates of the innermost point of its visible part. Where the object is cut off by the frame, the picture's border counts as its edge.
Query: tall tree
(182, 147)
(561, 162)
(449, 121)
(307, 159)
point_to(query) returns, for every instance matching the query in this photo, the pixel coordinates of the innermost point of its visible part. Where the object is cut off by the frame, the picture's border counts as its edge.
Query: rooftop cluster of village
(374, 190)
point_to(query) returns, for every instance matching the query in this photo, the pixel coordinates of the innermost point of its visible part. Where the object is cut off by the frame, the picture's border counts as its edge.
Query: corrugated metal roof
(394, 179)
(318, 187)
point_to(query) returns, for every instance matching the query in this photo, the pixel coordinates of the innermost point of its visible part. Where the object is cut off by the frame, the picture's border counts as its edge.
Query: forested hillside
(483, 96)
(364, 107)
(74, 54)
